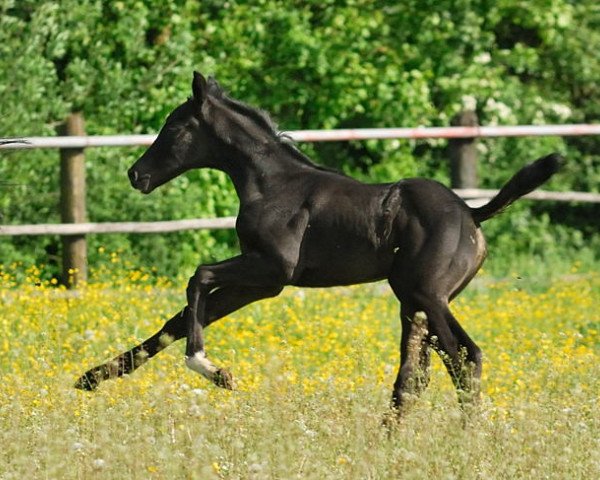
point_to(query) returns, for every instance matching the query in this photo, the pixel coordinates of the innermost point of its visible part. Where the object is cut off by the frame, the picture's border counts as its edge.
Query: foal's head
(184, 142)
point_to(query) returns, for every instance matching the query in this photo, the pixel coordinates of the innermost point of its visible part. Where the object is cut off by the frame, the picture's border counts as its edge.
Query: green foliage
(326, 64)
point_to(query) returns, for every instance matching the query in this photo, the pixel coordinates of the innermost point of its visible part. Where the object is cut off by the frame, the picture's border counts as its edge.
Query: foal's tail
(524, 181)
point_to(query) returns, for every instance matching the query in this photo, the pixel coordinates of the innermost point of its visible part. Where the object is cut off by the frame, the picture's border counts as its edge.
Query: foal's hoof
(87, 381)
(224, 379)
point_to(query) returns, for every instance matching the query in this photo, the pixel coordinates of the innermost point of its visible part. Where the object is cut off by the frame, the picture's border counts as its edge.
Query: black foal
(304, 225)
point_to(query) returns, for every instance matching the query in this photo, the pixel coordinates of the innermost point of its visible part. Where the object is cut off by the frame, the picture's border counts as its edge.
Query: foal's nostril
(133, 175)
(139, 181)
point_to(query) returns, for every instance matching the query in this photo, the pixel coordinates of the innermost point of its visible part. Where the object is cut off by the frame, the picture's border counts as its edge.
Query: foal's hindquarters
(440, 249)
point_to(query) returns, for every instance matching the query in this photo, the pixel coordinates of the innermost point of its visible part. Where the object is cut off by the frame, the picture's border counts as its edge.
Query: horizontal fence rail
(119, 227)
(339, 135)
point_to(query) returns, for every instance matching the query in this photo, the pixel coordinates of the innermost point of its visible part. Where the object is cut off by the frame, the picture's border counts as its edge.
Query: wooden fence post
(463, 153)
(72, 204)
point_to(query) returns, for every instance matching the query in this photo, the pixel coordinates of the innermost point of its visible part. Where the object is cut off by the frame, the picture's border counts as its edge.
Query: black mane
(266, 124)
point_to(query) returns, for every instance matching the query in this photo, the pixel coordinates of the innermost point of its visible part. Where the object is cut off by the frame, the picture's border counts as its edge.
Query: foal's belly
(341, 266)
(321, 278)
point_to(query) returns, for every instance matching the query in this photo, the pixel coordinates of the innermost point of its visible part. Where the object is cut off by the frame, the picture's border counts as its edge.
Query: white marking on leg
(202, 365)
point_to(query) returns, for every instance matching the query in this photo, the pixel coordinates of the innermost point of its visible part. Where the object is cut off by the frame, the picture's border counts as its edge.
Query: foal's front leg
(250, 271)
(195, 355)
(127, 362)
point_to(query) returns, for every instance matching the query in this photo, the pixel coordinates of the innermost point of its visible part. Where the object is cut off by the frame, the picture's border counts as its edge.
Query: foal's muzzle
(139, 182)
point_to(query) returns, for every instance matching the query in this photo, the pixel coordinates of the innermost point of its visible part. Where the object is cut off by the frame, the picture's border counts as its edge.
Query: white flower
(77, 446)
(502, 111)
(483, 58)
(561, 110)
(469, 102)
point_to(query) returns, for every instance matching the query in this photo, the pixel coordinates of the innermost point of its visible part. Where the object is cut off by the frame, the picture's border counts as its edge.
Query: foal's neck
(254, 174)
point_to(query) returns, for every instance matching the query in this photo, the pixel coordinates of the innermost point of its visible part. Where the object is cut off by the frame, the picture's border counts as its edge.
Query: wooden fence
(73, 142)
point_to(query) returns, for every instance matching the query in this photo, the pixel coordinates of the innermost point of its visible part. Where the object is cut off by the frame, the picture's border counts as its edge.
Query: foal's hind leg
(413, 374)
(468, 376)
(220, 303)
(425, 281)
(460, 354)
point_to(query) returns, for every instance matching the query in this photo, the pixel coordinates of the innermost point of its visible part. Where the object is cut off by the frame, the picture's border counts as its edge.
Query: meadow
(314, 371)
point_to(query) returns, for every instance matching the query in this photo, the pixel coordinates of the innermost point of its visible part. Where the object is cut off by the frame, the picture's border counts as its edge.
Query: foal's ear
(199, 87)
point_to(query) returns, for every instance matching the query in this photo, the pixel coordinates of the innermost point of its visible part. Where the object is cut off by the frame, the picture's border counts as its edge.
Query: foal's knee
(200, 281)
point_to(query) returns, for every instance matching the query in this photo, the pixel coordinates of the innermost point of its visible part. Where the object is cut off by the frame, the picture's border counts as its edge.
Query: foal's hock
(305, 225)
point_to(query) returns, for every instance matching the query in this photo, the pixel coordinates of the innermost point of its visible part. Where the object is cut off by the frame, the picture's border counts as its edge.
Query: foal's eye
(192, 123)
(173, 128)
(183, 133)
